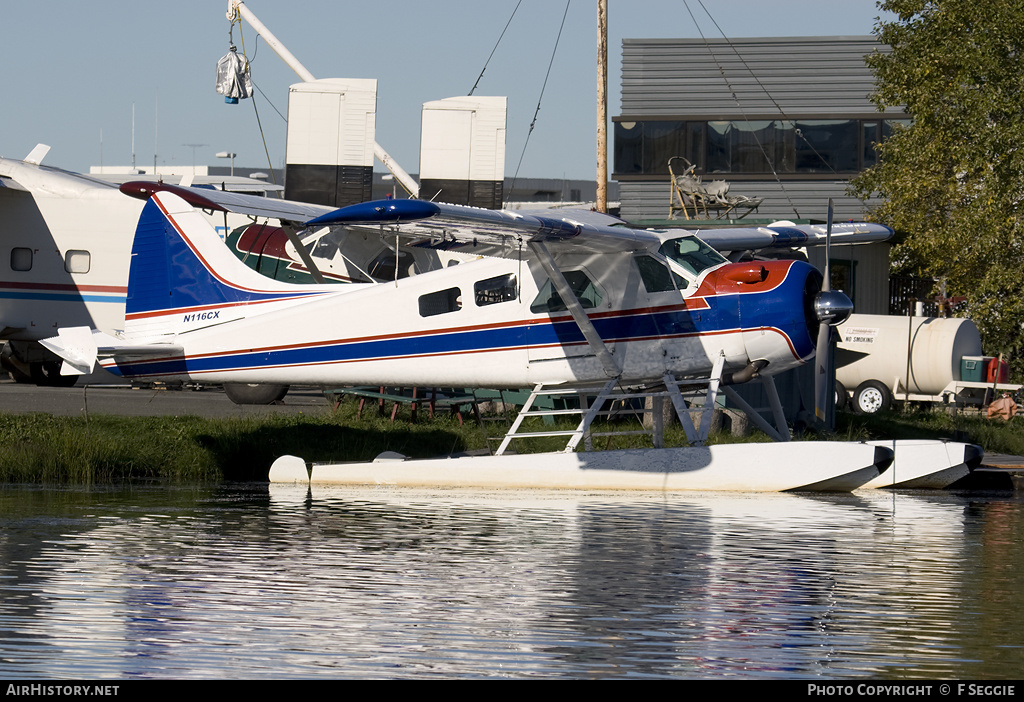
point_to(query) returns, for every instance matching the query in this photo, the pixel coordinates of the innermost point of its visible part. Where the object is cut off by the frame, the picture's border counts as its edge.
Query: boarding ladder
(671, 388)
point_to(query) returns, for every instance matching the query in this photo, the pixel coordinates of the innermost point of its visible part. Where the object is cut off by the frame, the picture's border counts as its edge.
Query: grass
(995, 436)
(41, 448)
(111, 449)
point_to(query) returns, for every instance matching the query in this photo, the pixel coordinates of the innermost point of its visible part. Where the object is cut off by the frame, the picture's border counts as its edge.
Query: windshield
(692, 254)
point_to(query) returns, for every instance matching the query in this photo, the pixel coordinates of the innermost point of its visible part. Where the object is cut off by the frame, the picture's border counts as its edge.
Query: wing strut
(611, 366)
(307, 260)
(697, 436)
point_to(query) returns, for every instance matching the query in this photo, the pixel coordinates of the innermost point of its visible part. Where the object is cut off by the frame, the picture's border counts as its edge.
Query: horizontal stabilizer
(77, 346)
(81, 346)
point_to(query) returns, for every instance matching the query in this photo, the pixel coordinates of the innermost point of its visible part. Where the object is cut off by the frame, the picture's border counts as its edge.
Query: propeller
(832, 307)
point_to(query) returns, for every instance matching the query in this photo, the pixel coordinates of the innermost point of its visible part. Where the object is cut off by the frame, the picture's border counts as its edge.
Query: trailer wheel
(254, 394)
(842, 397)
(871, 396)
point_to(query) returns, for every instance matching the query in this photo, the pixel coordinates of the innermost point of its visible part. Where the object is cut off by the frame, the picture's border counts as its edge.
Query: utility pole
(602, 105)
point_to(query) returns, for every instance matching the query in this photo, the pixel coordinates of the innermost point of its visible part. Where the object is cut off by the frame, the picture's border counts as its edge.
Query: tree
(952, 182)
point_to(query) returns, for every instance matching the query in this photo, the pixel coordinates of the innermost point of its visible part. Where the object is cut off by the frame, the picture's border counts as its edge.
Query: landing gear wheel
(47, 374)
(871, 397)
(19, 376)
(254, 393)
(842, 397)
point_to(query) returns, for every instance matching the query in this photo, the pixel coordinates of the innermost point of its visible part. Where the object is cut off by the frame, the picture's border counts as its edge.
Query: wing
(789, 236)
(11, 184)
(222, 201)
(452, 226)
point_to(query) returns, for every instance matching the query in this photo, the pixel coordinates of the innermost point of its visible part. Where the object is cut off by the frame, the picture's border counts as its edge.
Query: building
(785, 120)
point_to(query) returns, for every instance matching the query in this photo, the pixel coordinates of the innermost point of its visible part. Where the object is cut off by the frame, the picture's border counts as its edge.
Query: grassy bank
(40, 448)
(995, 436)
(109, 449)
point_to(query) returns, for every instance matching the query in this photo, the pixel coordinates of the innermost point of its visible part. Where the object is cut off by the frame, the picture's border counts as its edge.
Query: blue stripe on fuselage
(558, 332)
(722, 315)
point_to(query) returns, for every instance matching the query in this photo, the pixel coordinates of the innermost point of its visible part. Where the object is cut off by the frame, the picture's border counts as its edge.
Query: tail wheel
(255, 393)
(871, 396)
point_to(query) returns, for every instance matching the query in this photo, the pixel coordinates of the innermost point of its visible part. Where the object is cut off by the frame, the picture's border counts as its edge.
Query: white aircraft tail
(183, 277)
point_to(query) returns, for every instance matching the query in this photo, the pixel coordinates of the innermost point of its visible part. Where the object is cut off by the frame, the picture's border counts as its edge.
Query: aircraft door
(558, 336)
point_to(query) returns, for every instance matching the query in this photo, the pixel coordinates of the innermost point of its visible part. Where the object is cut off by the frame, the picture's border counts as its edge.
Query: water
(252, 581)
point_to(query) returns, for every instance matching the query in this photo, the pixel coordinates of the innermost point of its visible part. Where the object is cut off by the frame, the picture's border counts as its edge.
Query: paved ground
(123, 400)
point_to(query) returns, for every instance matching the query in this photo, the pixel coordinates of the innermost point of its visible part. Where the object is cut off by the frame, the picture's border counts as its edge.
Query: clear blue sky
(74, 69)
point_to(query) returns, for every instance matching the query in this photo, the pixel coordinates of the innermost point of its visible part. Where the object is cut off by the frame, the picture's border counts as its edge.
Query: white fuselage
(378, 334)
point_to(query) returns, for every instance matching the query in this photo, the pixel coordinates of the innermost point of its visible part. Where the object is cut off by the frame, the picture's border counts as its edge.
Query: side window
(77, 261)
(383, 267)
(440, 302)
(326, 246)
(21, 259)
(494, 290)
(655, 274)
(581, 285)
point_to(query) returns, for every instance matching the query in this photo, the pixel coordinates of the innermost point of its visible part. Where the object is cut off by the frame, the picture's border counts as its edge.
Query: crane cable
(739, 105)
(259, 123)
(539, 99)
(488, 61)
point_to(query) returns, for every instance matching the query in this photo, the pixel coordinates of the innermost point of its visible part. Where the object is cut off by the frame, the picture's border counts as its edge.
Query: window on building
(582, 287)
(76, 261)
(804, 146)
(21, 259)
(874, 132)
(440, 302)
(843, 275)
(494, 290)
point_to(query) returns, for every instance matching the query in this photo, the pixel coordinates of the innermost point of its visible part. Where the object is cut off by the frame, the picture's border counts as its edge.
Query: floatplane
(575, 305)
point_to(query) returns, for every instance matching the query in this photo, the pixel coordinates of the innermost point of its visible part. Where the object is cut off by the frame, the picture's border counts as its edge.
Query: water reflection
(250, 581)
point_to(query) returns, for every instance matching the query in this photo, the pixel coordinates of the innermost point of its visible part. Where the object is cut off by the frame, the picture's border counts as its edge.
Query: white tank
(874, 347)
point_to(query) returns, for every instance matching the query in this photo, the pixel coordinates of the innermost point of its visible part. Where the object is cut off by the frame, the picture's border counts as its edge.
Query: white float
(926, 464)
(776, 467)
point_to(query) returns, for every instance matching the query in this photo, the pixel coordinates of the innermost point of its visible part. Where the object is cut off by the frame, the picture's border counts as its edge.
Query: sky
(77, 71)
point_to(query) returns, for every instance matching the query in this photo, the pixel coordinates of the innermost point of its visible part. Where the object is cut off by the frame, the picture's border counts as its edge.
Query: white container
(874, 347)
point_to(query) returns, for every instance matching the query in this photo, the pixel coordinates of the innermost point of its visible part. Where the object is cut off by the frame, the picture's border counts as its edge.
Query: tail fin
(182, 276)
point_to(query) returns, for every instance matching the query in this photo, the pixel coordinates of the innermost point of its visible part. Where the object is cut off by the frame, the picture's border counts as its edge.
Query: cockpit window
(692, 254)
(656, 275)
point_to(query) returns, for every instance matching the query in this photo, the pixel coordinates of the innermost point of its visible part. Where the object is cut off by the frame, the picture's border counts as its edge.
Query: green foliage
(953, 181)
